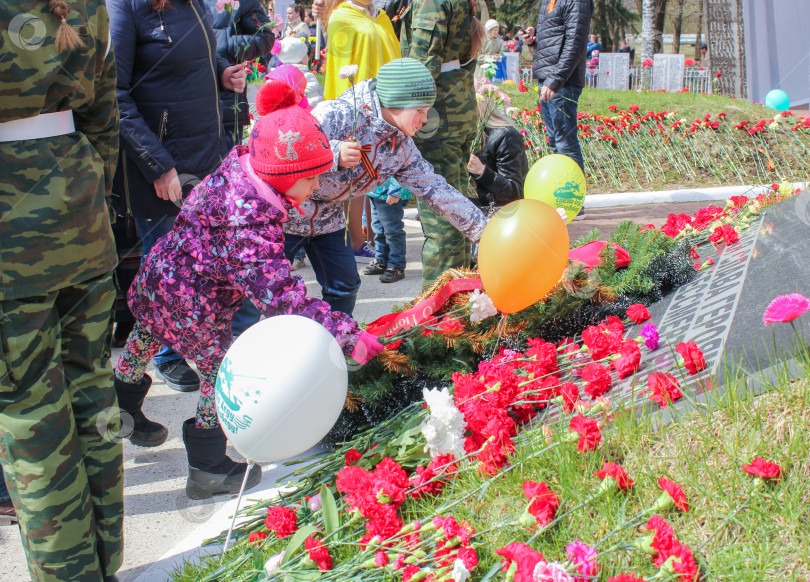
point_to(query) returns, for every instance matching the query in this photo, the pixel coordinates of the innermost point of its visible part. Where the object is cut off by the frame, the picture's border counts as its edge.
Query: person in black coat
(500, 167)
(559, 67)
(242, 35)
(169, 83)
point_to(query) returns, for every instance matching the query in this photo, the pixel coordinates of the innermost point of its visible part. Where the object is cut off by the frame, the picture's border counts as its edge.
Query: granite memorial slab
(614, 71)
(668, 73)
(721, 309)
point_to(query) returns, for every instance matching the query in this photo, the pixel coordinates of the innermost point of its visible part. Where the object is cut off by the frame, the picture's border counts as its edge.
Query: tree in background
(611, 21)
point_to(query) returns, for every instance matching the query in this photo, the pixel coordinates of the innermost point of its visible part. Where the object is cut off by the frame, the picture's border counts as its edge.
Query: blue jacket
(241, 36)
(169, 82)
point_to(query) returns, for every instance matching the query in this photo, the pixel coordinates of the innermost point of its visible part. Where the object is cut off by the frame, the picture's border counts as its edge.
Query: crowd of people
(140, 106)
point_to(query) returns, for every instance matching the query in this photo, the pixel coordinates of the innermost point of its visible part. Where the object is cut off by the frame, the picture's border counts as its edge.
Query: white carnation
(348, 71)
(481, 306)
(460, 572)
(444, 428)
(273, 563)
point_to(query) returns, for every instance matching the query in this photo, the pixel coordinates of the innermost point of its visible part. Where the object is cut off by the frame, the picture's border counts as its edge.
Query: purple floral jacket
(226, 246)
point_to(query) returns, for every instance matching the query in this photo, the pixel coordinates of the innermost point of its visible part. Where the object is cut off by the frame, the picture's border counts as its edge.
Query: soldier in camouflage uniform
(57, 403)
(439, 33)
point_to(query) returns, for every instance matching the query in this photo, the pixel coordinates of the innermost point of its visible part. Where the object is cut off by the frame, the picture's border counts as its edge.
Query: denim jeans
(244, 317)
(560, 117)
(389, 229)
(151, 231)
(332, 259)
(4, 496)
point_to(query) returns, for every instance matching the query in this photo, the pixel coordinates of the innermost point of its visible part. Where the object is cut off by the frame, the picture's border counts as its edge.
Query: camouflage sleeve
(99, 120)
(140, 142)
(428, 35)
(417, 175)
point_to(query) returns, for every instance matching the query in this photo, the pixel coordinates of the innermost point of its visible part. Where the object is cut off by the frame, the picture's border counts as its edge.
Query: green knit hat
(405, 84)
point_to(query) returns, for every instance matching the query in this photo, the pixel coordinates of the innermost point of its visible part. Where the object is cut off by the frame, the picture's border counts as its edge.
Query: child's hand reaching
(391, 199)
(367, 347)
(349, 154)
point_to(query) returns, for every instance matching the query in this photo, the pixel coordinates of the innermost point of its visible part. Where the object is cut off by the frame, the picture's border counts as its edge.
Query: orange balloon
(522, 254)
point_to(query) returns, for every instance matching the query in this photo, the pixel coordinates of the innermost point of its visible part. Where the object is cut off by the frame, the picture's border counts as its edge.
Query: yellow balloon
(558, 181)
(522, 254)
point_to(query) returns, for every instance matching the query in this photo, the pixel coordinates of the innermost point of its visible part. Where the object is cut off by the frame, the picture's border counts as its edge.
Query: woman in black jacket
(169, 83)
(500, 167)
(242, 35)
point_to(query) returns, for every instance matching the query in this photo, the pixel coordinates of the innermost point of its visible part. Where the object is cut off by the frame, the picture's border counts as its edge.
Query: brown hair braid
(478, 31)
(66, 38)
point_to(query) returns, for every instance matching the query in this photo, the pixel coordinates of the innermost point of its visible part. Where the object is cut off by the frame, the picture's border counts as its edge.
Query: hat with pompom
(287, 143)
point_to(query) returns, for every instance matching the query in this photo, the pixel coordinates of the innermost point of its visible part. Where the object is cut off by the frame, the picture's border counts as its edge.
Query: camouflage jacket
(54, 225)
(391, 154)
(436, 32)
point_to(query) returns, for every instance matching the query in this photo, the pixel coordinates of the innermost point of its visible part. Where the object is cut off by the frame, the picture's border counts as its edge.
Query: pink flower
(551, 572)
(786, 308)
(583, 559)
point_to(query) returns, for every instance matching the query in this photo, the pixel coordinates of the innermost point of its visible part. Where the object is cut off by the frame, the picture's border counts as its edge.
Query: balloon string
(236, 510)
(501, 329)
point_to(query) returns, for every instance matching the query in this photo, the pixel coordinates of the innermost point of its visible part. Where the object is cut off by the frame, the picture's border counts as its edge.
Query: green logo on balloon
(232, 404)
(558, 181)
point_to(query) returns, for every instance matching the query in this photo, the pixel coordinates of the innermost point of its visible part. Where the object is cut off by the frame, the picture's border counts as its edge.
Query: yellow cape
(357, 39)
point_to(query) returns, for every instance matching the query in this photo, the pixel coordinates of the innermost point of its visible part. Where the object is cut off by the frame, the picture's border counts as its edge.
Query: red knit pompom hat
(287, 143)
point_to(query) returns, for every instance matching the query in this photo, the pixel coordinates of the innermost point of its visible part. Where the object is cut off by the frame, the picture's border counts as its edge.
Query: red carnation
(675, 493)
(544, 502)
(525, 557)
(638, 313)
(725, 233)
(257, 536)
(569, 394)
(763, 469)
(598, 380)
(692, 357)
(318, 553)
(629, 359)
(684, 563)
(588, 430)
(351, 457)
(281, 521)
(597, 342)
(409, 572)
(617, 473)
(663, 387)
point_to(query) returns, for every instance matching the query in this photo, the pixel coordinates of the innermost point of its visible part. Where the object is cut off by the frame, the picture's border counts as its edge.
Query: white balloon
(281, 388)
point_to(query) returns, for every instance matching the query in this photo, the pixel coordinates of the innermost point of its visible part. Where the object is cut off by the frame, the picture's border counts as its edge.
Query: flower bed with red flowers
(532, 465)
(635, 149)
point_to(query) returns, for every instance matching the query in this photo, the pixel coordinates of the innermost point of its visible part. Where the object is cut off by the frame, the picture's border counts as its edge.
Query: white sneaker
(298, 263)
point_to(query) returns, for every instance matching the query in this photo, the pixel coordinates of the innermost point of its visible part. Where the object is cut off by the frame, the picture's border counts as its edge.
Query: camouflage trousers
(444, 247)
(57, 410)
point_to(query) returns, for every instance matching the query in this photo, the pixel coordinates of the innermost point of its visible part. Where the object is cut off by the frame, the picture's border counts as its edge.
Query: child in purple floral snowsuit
(227, 246)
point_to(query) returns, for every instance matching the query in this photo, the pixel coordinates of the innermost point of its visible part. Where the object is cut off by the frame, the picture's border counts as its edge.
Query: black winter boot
(140, 431)
(210, 470)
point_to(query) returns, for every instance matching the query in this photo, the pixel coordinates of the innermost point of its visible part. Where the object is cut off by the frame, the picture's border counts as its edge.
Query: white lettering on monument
(614, 71)
(668, 73)
(702, 312)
